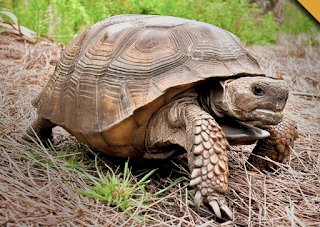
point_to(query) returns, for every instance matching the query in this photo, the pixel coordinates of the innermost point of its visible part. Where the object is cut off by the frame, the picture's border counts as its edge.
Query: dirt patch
(36, 188)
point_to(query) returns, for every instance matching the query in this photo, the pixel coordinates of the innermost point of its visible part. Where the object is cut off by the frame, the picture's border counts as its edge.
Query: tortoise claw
(198, 200)
(209, 175)
(215, 205)
(216, 209)
(226, 211)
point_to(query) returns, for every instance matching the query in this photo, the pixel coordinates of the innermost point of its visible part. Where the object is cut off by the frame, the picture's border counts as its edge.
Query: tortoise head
(256, 100)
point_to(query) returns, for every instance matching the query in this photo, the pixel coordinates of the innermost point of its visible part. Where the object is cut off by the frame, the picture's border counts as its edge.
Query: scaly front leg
(208, 161)
(187, 125)
(277, 146)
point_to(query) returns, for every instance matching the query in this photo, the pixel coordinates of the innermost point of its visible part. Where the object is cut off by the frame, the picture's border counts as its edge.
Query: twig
(293, 218)
(310, 95)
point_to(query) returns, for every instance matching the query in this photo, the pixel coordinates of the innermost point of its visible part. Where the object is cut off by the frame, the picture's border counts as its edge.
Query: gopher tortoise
(147, 86)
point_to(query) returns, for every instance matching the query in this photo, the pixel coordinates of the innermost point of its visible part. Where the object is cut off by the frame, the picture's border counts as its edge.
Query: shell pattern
(113, 76)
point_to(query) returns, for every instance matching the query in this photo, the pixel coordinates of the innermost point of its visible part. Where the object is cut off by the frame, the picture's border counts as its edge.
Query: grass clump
(237, 16)
(62, 19)
(122, 190)
(33, 15)
(75, 158)
(117, 189)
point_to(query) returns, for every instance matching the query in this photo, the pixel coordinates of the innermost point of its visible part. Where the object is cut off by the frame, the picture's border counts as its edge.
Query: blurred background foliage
(253, 21)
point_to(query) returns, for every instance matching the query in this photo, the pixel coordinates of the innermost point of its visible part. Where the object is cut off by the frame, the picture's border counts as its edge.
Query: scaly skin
(210, 173)
(276, 146)
(186, 124)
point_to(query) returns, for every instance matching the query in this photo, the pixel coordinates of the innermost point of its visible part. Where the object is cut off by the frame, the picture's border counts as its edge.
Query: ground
(38, 188)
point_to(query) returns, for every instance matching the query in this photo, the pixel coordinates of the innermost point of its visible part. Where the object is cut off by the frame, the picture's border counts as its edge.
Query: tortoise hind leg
(276, 146)
(40, 128)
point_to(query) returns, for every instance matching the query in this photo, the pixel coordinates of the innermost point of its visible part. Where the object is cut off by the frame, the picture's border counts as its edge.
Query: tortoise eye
(258, 90)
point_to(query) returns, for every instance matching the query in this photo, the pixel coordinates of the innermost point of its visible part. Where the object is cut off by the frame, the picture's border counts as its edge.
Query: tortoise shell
(113, 76)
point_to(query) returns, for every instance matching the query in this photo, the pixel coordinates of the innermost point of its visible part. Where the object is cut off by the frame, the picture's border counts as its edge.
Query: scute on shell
(113, 76)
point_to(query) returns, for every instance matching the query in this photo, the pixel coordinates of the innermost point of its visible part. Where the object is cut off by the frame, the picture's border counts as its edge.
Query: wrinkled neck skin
(211, 98)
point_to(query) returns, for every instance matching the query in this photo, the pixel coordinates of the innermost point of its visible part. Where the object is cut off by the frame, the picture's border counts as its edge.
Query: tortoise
(149, 86)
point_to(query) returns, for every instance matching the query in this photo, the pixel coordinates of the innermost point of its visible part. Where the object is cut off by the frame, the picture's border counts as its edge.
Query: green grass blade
(177, 181)
(143, 180)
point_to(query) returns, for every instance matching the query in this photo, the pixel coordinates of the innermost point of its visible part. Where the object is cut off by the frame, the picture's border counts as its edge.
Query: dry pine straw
(34, 193)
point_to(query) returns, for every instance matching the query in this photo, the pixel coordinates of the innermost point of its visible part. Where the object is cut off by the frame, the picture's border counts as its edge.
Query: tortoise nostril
(283, 95)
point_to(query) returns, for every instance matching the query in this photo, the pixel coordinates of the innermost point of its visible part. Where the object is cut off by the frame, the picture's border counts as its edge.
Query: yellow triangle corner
(313, 6)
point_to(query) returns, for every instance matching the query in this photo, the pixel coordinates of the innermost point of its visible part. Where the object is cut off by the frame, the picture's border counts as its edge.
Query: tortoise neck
(210, 98)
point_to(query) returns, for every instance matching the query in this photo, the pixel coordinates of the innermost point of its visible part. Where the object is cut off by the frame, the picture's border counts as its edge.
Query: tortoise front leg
(190, 127)
(276, 146)
(208, 161)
